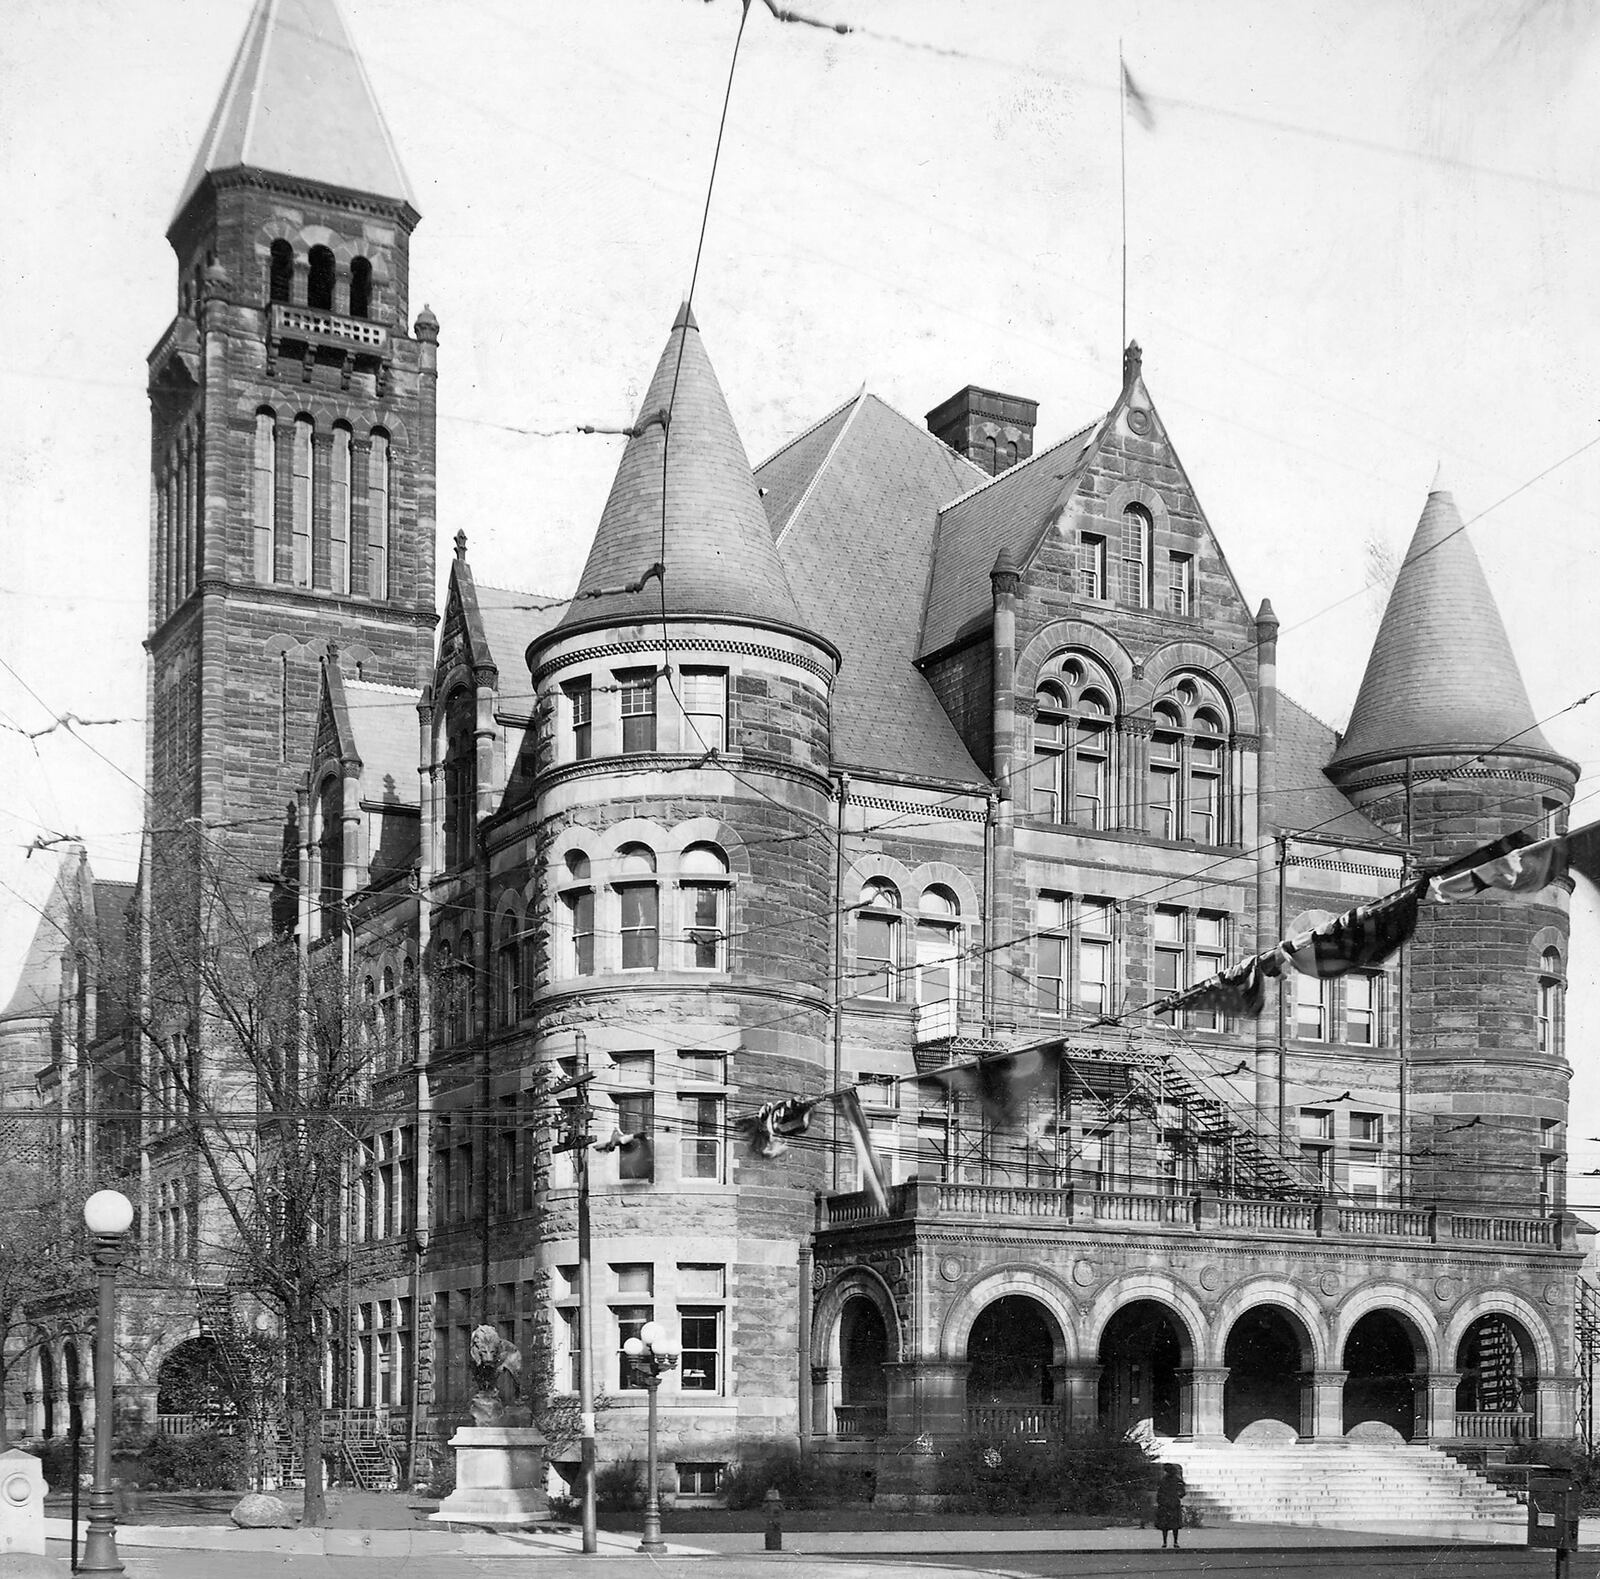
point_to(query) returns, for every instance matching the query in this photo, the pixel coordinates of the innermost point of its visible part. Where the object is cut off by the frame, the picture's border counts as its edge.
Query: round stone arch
(941, 874)
(1393, 1299)
(1502, 1302)
(606, 842)
(1162, 1289)
(1548, 938)
(708, 830)
(1282, 1295)
(857, 1283)
(867, 867)
(1211, 662)
(1064, 636)
(1016, 1279)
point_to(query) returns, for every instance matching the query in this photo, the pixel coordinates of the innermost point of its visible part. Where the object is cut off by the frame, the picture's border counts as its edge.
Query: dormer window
(1072, 747)
(1136, 534)
(1188, 764)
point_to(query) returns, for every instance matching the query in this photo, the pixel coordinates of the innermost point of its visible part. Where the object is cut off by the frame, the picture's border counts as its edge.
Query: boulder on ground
(260, 1512)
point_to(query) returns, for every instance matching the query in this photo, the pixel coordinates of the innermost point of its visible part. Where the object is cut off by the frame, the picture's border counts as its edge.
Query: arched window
(389, 1019)
(319, 279)
(330, 857)
(408, 1009)
(704, 871)
(1136, 534)
(1549, 1012)
(300, 504)
(878, 939)
(577, 901)
(339, 511)
(1188, 764)
(466, 977)
(369, 1018)
(378, 515)
(1072, 747)
(444, 969)
(460, 777)
(360, 288)
(641, 907)
(938, 957)
(264, 479)
(508, 969)
(280, 272)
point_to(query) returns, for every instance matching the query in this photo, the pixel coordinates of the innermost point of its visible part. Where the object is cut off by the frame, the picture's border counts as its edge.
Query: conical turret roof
(715, 545)
(297, 103)
(1442, 676)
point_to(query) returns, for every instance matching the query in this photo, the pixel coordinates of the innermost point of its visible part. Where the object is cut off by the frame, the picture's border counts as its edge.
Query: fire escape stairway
(370, 1463)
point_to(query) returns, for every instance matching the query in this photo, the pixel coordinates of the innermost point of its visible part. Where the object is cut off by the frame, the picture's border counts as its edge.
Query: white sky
(1362, 241)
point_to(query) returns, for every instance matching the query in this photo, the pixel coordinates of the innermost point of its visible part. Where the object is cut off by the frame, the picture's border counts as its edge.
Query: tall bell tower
(292, 431)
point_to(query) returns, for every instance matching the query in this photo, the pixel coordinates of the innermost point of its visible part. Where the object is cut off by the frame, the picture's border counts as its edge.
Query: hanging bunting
(771, 1127)
(1366, 935)
(874, 1177)
(1000, 1085)
(1239, 990)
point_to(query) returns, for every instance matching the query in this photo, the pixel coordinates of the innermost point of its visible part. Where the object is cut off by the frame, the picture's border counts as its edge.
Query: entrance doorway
(1141, 1351)
(1380, 1360)
(1265, 1354)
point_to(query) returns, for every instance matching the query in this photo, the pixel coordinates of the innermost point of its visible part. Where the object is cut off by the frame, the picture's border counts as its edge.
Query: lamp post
(654, 1353)
(108, 1215)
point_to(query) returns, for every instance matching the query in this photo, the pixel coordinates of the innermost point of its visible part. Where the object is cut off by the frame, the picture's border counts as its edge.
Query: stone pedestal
(500, 1477)
(21, 1503)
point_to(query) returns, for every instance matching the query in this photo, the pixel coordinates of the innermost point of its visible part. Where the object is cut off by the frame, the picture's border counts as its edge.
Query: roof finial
(1132, 363)
(461, 545)
(1439, 483)
(685, 318)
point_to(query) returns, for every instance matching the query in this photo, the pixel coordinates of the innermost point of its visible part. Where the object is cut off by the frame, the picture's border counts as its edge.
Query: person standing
(1170, 1492)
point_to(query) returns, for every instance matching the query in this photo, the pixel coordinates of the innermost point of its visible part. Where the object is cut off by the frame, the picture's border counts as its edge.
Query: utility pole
(577, 1141)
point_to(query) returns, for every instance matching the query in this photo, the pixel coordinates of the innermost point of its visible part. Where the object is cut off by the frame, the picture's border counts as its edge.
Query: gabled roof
(1306, 800)
(713, 539)
(70, 903)
(384, 730)
(1007, 512)
(297, 103)
(510, 619)
(1442, 676)
(857, 523)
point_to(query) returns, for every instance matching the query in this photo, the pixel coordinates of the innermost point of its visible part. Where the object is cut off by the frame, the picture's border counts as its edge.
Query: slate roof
(1007, 512)
(1306, 799)
(1441, 675)
(511, 619)
(297, 102)
(855, 501)
(383, 728)
(715, 544)
(38, 990)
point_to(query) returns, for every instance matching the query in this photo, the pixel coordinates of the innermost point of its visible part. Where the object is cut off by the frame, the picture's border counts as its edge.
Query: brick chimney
(994, 430)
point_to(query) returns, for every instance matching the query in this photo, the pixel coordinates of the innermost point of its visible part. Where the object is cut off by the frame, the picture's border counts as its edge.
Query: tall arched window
(1549, 1001)
(641, 907)
(264, 480)
(704, 871)
(508, 969)
(280, 272)
(1186, 796)
(1072, 747)
(466, 979)
(360, 288)
(339, 510)
(460, 776)
(877, 939)
(1136, 535)
(577, 900)
(319, 279)
(389, 1019)
(330, 856)
(408, 1008)
(378, 515)
(938, 960)
(300, 503)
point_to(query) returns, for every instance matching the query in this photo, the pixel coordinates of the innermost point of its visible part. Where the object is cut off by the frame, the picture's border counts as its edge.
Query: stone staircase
(1349, 1485)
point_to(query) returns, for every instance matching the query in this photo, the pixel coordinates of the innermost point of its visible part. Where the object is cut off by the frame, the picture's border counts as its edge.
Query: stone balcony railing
(1203, 1212)
(317, 326)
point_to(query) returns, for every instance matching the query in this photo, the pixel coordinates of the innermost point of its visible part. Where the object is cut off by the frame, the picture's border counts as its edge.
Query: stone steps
(1334, 1483)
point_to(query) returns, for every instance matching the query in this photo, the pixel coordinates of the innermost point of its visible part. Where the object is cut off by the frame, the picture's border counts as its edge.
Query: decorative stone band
(745, 649)
(923, 809)
(1392, 776)
(1353, 868)
(662, 761)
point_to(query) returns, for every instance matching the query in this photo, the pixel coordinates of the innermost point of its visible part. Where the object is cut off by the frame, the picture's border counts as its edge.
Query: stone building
(908, 746)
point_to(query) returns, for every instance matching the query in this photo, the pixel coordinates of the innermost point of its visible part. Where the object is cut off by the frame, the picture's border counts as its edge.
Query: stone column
(1200, 1391)
(1556, 1407)
(1078, 1390)
(1434, 1405)
(824, 1394)
(927, 1395)
(1322, 1405)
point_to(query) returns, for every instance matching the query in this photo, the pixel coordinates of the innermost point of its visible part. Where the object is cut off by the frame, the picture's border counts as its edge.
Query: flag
(1582, 850)
(638, 1154)
(1001, 1085)
(1520, 871)
(1366, 935)
(1133, 98)
(873, 1179)
(1241, 990)
(769, 1129)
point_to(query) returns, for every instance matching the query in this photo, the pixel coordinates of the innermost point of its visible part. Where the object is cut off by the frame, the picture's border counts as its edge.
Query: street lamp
(108, 1215)
(654, 1353)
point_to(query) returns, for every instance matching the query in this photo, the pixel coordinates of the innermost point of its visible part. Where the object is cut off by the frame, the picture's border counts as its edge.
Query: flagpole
(1122, 134)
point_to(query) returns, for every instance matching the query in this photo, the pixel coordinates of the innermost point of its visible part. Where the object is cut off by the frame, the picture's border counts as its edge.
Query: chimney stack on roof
(992, 430)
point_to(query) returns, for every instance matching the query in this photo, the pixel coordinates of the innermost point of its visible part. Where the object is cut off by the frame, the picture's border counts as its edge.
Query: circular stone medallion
(1138, 419)
(1329, 1283)
(1445, 1289)
(952, 1269)
(1552, 1293)
(1210, 1278)
(1083, 1273)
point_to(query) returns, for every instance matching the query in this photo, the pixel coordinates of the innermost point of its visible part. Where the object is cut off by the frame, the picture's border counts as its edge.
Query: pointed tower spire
(1442, 676)
(714, 556)
(297, 103)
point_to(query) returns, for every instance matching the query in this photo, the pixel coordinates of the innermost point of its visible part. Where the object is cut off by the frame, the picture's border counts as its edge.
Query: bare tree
(260, 1066)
